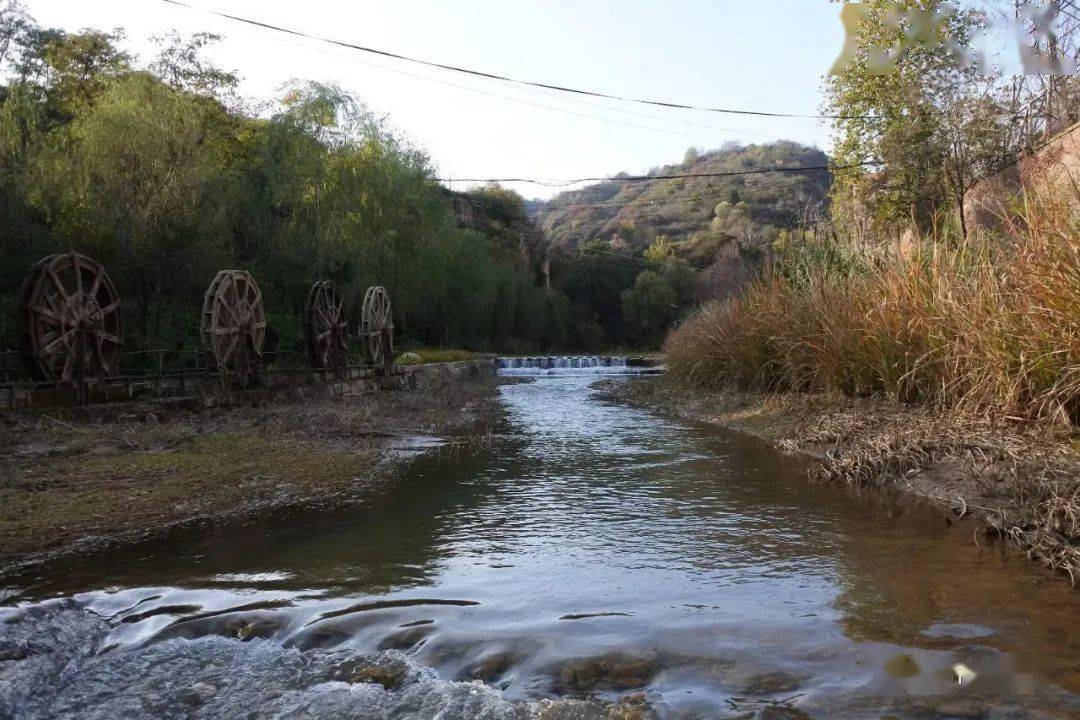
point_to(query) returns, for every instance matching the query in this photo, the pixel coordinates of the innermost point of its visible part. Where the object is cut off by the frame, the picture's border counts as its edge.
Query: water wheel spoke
(77, 266)
(59, 283)
(103, 365)
(110, 308)
(52, 346)
(95, 286)
(50, 357)
(54, 300)
(69, 362)
(47, 314)
(104, 337)
(227, 307)
(48, 337)
(224, 357)
(230, 302)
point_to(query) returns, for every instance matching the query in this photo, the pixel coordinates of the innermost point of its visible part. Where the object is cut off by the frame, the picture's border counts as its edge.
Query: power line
(610, 108)
(694, 196)
(503, 78)
(647, 178)
(542, 105)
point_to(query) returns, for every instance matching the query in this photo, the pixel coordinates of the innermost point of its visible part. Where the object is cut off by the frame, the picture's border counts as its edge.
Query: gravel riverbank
(78, 481)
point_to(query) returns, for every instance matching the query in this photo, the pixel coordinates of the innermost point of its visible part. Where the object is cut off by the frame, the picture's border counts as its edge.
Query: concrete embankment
(78, 478)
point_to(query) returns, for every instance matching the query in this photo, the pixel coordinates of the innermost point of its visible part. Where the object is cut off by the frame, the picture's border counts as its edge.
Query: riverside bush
(990, 323)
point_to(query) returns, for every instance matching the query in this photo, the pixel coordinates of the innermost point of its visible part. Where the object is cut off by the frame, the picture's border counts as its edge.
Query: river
(590, 552)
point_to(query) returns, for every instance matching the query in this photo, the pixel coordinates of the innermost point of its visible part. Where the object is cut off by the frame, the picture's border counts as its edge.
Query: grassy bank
(935, 355)
(989, 324)
(433, 355)
(75, 481)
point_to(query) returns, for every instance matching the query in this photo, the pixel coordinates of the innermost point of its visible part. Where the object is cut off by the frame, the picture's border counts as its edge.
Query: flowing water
(592, 552)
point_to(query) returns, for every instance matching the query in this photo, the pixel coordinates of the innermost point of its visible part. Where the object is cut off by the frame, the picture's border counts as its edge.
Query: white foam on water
(56, 662)
(568, 365)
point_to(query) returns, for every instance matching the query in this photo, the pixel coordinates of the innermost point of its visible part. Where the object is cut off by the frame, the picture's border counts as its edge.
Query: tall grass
(989, 324)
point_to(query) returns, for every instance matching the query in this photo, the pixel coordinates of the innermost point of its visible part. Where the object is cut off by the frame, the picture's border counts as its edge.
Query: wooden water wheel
(70, 326)
(377, 328)
(234, 326)
(326, 327)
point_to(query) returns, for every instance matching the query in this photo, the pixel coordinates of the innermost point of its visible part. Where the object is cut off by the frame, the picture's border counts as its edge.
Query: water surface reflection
(598, 550)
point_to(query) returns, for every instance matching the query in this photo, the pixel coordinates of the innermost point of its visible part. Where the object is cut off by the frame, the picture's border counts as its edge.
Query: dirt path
(79, 481)
(1021, 481)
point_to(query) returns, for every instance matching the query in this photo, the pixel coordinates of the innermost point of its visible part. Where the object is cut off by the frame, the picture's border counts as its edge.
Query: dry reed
(988, 325)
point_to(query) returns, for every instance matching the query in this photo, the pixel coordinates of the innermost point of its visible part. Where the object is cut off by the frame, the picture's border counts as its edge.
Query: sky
(768, 56)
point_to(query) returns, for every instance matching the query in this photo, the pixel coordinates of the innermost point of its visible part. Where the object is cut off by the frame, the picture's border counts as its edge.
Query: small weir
(575, 365)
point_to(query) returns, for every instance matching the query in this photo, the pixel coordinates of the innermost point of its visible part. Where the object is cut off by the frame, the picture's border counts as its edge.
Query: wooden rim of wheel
(69, 320)
(377, 327)
(233, 325)
(326, 327)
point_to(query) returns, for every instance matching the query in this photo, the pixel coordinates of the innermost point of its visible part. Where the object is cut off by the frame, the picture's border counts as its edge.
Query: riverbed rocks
(780, 712)
(198, 693)
(632, 707)
(611, 672)
(405, 639)
(490, 668)
(390, 676)
(769, 683)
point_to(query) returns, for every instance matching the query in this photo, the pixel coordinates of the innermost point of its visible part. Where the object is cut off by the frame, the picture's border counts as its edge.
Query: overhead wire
(536, 104)
(648, 178)
(499, 76)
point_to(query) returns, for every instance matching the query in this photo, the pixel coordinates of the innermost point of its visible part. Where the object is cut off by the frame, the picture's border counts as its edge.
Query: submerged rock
(770, 683)
(52, 666)
(632, 707)
(389, 676)
(781, 712)
(490, 668)
(608, 672)
(198, 693)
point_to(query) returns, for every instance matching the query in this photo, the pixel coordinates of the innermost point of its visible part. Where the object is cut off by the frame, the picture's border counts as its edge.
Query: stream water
(592, 552)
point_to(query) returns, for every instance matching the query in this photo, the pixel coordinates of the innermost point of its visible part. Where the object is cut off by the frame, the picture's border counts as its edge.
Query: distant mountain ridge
(699, 215)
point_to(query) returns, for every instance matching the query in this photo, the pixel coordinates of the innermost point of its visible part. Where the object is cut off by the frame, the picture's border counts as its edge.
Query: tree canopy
(165, 176)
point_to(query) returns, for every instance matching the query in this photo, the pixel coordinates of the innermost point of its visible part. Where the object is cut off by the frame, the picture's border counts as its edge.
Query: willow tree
(137, 179)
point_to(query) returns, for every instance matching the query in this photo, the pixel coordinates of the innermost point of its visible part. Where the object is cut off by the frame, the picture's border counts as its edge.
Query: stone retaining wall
(195, 392)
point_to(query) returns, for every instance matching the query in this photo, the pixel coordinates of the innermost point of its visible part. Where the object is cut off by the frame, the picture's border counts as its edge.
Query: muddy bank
(76, 480)
(1021, 481)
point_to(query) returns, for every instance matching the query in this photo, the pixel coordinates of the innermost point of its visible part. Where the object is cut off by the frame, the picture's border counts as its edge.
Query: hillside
(699, 215)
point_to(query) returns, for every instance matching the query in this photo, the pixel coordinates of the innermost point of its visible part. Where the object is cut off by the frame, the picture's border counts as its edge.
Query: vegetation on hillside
(698, 214)
(633, 257)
